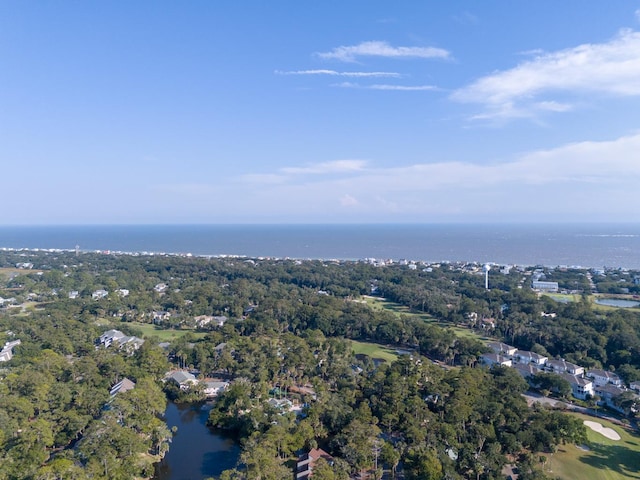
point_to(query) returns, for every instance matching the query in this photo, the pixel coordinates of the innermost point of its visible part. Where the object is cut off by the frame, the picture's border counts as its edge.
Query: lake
(197, 452)
(617, 302)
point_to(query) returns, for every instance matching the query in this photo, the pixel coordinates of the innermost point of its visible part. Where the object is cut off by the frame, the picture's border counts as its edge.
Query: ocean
(585, 245)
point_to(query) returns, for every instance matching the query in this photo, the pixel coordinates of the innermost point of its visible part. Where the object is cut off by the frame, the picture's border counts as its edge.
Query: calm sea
(595, 245)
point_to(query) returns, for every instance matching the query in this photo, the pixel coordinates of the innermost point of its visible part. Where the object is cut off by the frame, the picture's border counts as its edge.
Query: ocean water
(586, 245)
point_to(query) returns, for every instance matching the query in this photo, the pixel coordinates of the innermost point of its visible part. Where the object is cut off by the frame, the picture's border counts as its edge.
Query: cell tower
(486, 269)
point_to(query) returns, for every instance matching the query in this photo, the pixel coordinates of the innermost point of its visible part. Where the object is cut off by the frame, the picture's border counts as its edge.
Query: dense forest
(287, 331)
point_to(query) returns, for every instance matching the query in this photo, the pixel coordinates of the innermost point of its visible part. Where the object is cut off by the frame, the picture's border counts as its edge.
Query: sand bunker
(610, 433)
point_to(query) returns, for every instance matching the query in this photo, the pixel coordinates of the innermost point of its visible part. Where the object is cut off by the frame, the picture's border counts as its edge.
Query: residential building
(502, 348)
(562, 366)
(491, 359)
(580, 387)
(524, 356)
(98, 294)
(542, 286)
(603, 377)
(122, 386)
(183, 378)
(306, 462)
(213, 388)
(6, 353)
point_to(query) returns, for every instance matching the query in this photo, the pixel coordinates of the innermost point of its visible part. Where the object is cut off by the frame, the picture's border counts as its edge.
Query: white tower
(486, 269)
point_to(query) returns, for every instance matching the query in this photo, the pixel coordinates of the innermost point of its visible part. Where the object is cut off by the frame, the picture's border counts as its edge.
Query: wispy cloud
(381, 49)
(406, 88)
(340, 74)
(602, 176)
(611, 68)
(337, 166)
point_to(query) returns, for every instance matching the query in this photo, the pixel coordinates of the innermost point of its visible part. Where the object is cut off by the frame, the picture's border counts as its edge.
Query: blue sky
(319, 112)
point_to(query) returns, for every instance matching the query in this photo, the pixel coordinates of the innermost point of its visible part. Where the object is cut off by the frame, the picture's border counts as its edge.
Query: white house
(213, 388)
(183, 378)
(602, 377)
(524, 356)
(98, 294)
(562, 366)
(580, 387)
(495, 359)
(541, 286)
(6, 353)
(502, 348)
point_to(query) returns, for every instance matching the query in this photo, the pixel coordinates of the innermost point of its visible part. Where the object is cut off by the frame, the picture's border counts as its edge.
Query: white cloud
(611, 68)
(336, 166)
(348, 201)
(405, 88)
(340, 74)
(574, 179)
(381, 49)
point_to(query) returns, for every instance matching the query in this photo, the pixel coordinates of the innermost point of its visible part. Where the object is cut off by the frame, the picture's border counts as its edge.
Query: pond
(196, 452)
(617, 302)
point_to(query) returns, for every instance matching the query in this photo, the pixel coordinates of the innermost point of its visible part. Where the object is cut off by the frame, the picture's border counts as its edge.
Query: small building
(524, 356)
(123, 292)
(526, 370)
(125, 342)
(608, 393)
(98, 294)
(542, 286)
(73, 294)
(306, 462)
(502, 348)
(491, 359)
(6, 353)
(603, 377)
(122, 386)
(213, 388)
(562, 366)
(183, 378)
(580, 387)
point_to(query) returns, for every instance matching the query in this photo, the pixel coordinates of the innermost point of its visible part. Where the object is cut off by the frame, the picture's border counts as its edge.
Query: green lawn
(149, 330)
(604, 460)
(378, 303)
(564, 297)
(374, 350)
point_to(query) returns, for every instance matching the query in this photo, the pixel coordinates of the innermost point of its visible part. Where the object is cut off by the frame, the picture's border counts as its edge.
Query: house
(6, 353)
(542, 286)
(491, 359)
(527, 370)
(502, 348)
(183, 378)
(608, 393)
(580, 387)
(110, 336)
(603, 377)
(562, 366)
(524, 356)
(122, 386)
(160, 316)
(635, 386)
(73, 294)
(161, 287)
(306, 462)
(123, 292)
(98, 294)
(123, 341)
(202, 320)
(213, 388)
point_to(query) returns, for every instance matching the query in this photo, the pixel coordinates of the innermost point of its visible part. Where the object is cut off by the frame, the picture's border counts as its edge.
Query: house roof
(182, 376)
(603, 373)
(122, 386)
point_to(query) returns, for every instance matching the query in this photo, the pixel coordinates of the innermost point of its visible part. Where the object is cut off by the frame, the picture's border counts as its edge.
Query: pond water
(617, 302)
(196, 452)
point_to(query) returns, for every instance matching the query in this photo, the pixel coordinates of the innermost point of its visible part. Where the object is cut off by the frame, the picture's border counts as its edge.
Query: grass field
(602, 459)
(149, 330)
(563, 297)
(374, 350)
(378, 303)
(7, 273)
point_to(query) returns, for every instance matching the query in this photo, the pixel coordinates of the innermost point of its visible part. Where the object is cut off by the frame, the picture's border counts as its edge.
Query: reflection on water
(196, 452)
